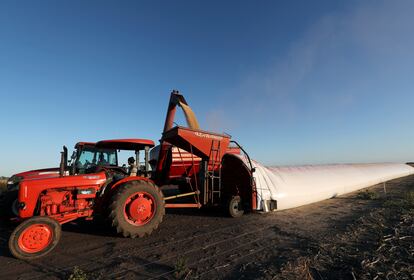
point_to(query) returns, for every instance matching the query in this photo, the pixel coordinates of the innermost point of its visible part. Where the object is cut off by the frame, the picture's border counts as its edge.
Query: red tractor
(207, 170)
(83, 151)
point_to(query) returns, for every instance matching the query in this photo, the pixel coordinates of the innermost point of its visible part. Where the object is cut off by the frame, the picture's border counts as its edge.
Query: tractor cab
(89, 158)
(138, 146)
(86, 156)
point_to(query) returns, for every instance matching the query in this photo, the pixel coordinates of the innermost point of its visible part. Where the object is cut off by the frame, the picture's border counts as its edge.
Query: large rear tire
(34, 238)
(137, 209)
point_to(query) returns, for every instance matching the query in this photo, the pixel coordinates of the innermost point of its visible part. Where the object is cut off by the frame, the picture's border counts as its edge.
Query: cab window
(106, 157)
(90, 157)
(86, 157)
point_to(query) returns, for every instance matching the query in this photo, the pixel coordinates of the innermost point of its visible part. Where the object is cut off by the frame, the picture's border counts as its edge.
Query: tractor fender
(129, 179)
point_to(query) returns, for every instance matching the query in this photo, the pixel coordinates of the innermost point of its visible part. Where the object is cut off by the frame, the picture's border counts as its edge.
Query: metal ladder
(213, 176)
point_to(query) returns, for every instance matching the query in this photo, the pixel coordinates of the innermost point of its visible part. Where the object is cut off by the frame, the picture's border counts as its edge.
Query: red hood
(39, 173)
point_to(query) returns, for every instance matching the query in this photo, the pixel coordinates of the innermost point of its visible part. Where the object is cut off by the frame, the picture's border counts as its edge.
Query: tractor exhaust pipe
(62, 164)
(63, 161)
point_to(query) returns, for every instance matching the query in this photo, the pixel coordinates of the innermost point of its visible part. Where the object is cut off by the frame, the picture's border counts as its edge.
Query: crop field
(363, 235)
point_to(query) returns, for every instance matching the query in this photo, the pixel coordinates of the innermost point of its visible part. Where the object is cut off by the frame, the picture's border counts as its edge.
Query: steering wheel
(89, 167)
(124, 168)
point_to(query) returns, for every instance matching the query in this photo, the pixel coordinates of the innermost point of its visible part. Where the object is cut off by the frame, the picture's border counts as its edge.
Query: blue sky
(295, 82)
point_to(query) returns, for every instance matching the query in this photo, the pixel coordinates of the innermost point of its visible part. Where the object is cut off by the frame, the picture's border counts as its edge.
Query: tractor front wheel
(34, 238)
(137, 209)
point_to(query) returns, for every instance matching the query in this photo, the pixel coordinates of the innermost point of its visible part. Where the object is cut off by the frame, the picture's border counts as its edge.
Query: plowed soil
(356, 236)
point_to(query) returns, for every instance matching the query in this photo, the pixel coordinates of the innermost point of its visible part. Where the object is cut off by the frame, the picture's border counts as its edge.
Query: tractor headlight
(13, 183)
(21, 205)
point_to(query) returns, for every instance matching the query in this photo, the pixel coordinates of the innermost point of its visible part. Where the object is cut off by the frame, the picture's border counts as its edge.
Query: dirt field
(359, 236)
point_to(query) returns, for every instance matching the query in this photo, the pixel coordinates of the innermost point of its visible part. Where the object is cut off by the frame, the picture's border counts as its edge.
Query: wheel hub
(139, 208)
(236, 205)
(35, 238)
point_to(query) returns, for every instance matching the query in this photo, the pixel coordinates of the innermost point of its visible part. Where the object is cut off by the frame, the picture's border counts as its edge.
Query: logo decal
(205, 135)
(91, 177)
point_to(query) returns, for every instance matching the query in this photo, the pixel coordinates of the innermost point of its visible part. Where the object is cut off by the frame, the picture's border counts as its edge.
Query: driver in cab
(133, 169)
(102, 160)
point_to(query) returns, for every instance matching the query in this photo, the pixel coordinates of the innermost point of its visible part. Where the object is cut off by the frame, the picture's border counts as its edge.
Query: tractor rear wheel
(137, 209)
(34, 238)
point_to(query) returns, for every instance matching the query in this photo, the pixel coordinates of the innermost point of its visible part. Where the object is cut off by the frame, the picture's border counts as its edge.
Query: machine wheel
(235, 207)
(9, 205)
(137, 209)
(34, 238)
